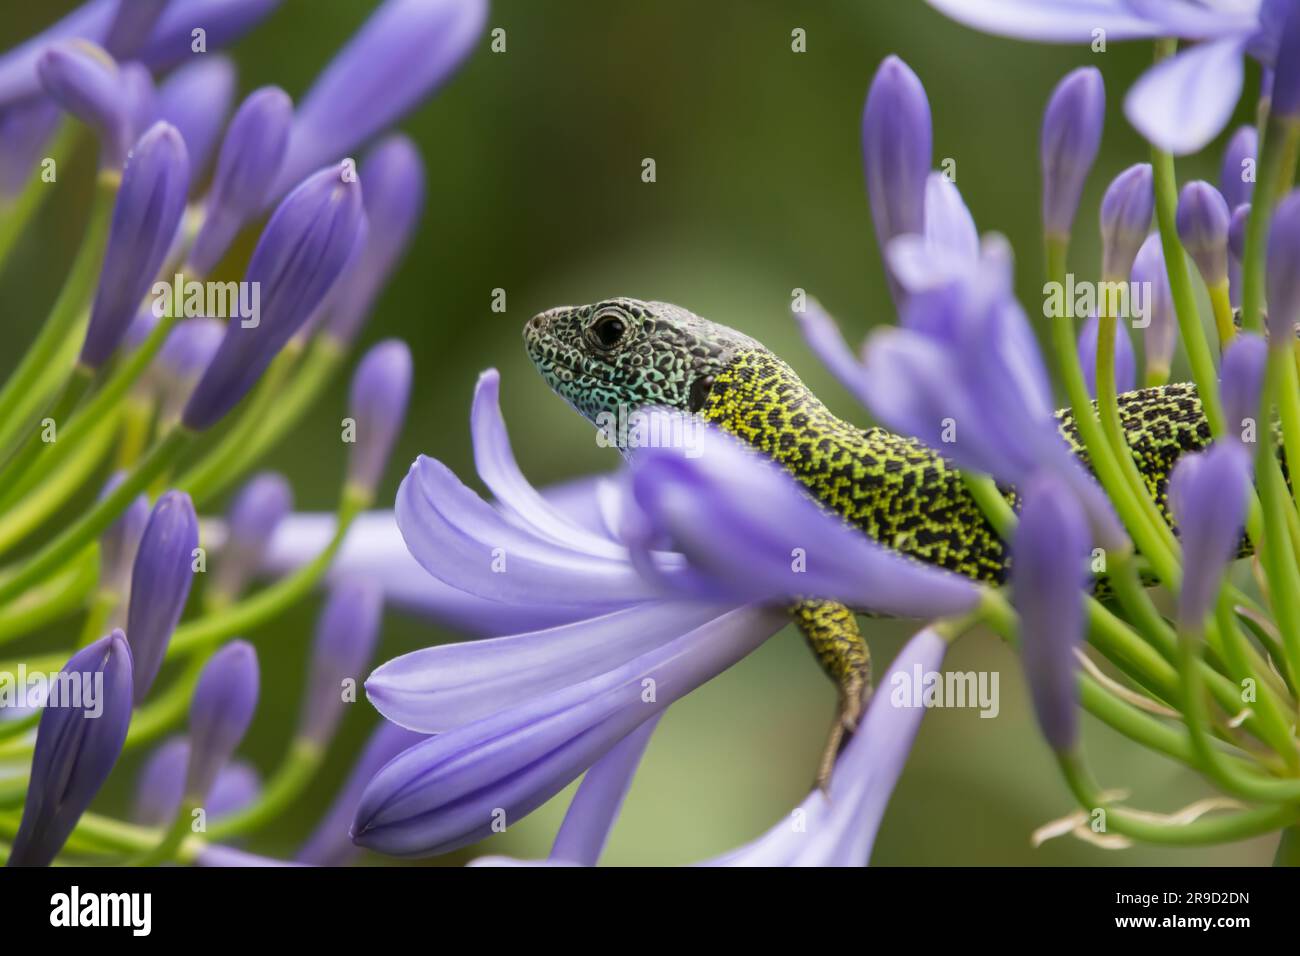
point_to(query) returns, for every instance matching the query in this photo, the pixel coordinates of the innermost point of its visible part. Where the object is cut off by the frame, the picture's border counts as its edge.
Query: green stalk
(82, 532)
(295, 772)
(17, 214)
(1272, 161)
(73, 298)
(57, 598)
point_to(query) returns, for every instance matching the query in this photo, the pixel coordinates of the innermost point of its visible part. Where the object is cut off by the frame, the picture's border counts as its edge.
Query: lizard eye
(607, 331)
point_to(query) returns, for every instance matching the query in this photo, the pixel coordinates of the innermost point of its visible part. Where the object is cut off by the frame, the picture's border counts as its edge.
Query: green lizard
(626, 354)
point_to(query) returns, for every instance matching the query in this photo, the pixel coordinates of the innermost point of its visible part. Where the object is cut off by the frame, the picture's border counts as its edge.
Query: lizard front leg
(831, 630)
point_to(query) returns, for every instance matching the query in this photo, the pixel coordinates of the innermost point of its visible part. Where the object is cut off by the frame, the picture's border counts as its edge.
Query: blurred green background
(534, 160)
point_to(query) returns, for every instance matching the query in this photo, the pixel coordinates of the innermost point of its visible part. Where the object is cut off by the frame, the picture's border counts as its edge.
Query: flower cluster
(173, 389)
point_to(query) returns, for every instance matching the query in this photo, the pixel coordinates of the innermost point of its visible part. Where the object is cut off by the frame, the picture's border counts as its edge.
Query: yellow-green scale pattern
(902, 493)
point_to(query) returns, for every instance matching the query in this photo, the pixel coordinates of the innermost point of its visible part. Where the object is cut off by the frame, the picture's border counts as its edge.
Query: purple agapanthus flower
(1180, 104)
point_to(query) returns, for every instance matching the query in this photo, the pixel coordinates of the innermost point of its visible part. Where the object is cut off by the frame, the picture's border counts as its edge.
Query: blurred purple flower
(25, 129)
(259, 507)
(896, 150)
(160, 584)
(250, 156)
(377, 403)
(196, 100)
(1241, 383)
(1049, 571)
(159, 790)
(394, 176)
(1160, 335)
(329, 844)
(1207, 495)
(1071, 136)
(120, 541)
(1203, 221)
(304, 247)
(1126, 211)
(77, 743)
(86, 82)
(147, 212)
(183, 358)
(1283, 270)
(220, 712)
(346, 633)
(1125, 359)
(1237, 251)
(404, 52)
(132, 23)
(1179, 104)
(1237, 175)
(947, 250)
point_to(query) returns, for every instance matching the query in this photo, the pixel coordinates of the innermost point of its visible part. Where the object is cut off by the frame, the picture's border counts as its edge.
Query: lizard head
(629, 353)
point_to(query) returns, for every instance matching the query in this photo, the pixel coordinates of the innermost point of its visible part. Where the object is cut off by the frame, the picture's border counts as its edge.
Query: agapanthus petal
(78, 741)
(196, 99)
(25, 129)
(1207, 495)
(1048, 573)
(435, 689)
(1054, 21)
(404, 52)
(1071, 136)
(147, 212)
(729, 502)
(255, 514)
(220, 713)
(1241, 383)
(86, 81)
(1284, 271)
(305, 246)
(381, 389)
(160, 584)
(1203, 221)
(1126, 212)
(1237, 175)
(346, 633)
(455, 788)
(1181, 104)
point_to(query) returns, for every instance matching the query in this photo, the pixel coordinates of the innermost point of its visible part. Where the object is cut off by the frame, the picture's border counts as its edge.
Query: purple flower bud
(1125, 360)
(183, 358)
(79, 738)
(1126, 212)
(1286, 70)
(394, 177)
(131, 26)
(220, 713)
(1237, 232)
(1152, 281)
(1207, 495)
(253, 517)
(381, 389)
(404, 52)
(251, 154)
(1284, 272)
(1237, 176)
(345, 640)
(139, 330)
(120, 542)
(196, 100)
(146, 215)
(1048, 572)
(1203, 221)
(1242, 381)
(138, 89)
(896, 147)
(158, 792)
(304, 247)
(330, 844)
(160, 584)
(25, 129)
(1071, 136)
(86, 82)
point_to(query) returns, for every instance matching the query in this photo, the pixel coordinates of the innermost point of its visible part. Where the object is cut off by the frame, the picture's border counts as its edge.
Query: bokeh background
(534, 160)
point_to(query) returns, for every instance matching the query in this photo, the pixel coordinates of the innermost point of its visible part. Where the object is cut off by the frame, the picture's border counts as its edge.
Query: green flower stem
(1288, 399)
(1196, 716)
(286, 786)
(1107, 467)
(1276, 553)
(77, 289)
(1272, 160)
(266, 420)
(1190, 328)
(15, 216)
(1224, 322)
(101, 608)
(1288, 848)
(1290, 152)
(1221, 828)
(167, 709)
(46, 498)
(82, 532)
(137, 425)
(254, 611)
(1130, 653)
(1236, 650)
(70, 395)
(57, 598)
(172, 837)
(104, 403)
(10, 729)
